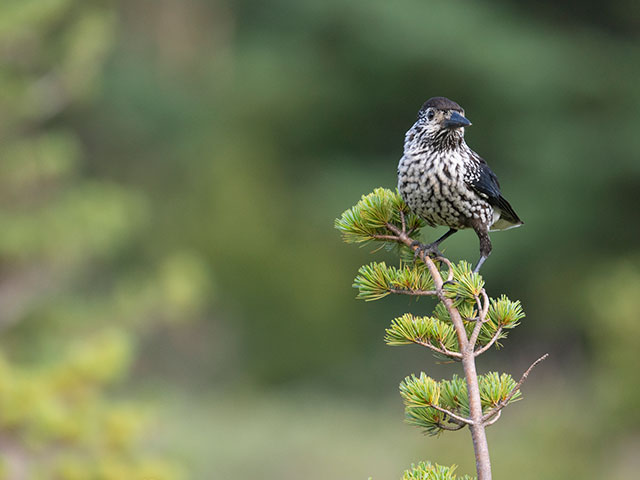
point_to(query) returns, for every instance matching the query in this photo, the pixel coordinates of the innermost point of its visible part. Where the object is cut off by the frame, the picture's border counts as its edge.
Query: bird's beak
(456, 120)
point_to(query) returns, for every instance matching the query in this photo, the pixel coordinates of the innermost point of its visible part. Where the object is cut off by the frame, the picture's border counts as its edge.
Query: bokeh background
(174, 300)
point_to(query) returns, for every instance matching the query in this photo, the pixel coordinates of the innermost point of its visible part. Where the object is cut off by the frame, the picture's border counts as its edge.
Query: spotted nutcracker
(446, 183)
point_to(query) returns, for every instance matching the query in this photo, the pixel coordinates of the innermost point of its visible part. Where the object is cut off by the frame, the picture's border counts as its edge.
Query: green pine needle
(488, 330)
(453, 395)
(429, 471)
(371, 214)
(494, 388)
(377, 280)
(502, 313)
(426, 418)
(421, 393)
(505, 312)
(409, 329)
(466, 285)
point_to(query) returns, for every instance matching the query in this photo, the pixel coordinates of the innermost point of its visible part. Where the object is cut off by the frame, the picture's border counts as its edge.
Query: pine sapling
(465, 323)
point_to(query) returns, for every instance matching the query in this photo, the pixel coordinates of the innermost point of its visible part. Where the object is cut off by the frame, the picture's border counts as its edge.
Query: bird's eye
(430, 115)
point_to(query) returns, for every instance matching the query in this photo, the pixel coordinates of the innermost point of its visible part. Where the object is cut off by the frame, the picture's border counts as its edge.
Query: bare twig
(494, 419)
(479, 322)
(480, 308)
(391, 238)
(458, 418)
(430, 347)
(449, 268)
(483, 308)
(451, 429)
(487, 303)
(514, 390)
(442, 350)
(417, 293)
(449, 353)
(481, 350)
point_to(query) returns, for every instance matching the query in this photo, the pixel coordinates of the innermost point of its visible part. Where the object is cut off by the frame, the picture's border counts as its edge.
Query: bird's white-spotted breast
(434, 186)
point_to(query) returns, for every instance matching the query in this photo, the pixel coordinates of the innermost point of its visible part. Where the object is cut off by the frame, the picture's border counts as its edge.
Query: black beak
(456, 120)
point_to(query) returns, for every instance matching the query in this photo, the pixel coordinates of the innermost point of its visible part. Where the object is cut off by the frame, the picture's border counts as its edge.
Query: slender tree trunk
(478, 434)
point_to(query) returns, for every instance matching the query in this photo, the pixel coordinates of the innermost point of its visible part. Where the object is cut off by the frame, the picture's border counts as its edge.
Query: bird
(446, 183)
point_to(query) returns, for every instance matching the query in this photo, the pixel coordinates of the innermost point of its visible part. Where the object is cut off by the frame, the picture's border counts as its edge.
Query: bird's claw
(448, 282)
(430, 249)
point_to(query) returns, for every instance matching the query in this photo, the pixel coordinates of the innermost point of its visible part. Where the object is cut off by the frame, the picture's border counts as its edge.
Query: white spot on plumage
(435, 184)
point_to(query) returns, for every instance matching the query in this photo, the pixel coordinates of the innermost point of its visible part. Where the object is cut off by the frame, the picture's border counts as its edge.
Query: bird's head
(440, 124)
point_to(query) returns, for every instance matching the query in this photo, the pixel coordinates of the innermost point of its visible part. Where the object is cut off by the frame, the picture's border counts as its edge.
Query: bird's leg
(485, 243)
(431, 249)
(483, 258)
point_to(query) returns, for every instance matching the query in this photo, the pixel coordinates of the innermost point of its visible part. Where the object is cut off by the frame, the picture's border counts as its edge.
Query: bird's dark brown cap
(441, 103)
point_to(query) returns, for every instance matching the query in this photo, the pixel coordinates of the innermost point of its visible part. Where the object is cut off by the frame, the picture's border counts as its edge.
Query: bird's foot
(431, 249)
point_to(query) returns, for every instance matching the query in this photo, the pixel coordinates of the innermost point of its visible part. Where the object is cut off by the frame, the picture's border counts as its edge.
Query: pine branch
(514, 390)
(493, 340)
(424, 331)
(449, 413)
(367, 220)
(377, 280)
(442, 350)
(449, 428)
(415, 293)
(494, 420)
(423, 395)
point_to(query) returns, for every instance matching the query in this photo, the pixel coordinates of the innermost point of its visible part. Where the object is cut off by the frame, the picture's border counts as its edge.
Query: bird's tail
(504, 216)
(502, 224)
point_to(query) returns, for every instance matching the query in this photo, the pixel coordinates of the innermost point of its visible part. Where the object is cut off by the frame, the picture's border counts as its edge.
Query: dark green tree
(465, 323)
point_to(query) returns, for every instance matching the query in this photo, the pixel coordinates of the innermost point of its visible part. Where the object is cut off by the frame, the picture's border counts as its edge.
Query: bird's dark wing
(484, 182)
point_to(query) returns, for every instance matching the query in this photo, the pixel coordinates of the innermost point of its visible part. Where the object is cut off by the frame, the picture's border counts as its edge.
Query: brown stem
(451, 429)
(458, 418)
(391, 238)
(483, 308)
(513, 391)
(442, 350)
(493, 420)
(415, 293)
(478, 434)
(490, 344)
(449, 353)
(450, 268)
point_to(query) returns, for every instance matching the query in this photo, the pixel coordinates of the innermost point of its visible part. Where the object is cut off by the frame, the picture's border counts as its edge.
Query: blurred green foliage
(169, 172)
(71, 305)
(265, 121)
